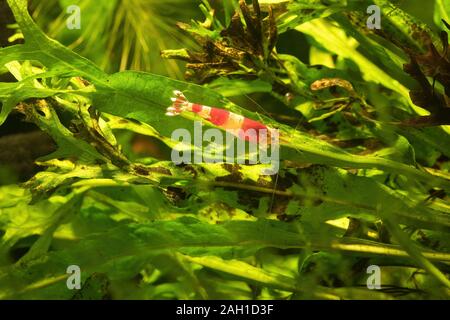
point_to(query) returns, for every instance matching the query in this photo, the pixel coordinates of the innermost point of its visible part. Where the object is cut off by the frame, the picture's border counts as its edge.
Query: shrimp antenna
(179, 104)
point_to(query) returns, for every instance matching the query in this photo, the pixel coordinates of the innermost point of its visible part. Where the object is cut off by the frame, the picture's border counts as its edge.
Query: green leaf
(441, 11)
(230, 88)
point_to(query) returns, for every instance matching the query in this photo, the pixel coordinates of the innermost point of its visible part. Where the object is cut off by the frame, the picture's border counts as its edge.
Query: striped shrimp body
(238, 125)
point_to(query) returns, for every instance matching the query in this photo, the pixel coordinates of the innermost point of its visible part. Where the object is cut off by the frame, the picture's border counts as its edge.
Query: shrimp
(238, 125)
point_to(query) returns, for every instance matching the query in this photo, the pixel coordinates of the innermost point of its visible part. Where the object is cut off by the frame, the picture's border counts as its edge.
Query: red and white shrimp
(238, 125)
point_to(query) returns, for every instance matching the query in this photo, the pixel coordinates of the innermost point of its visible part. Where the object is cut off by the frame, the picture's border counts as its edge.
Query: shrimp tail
(179, 104)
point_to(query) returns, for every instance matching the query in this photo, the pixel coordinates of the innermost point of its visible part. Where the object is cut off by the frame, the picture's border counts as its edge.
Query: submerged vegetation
(364, 178)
